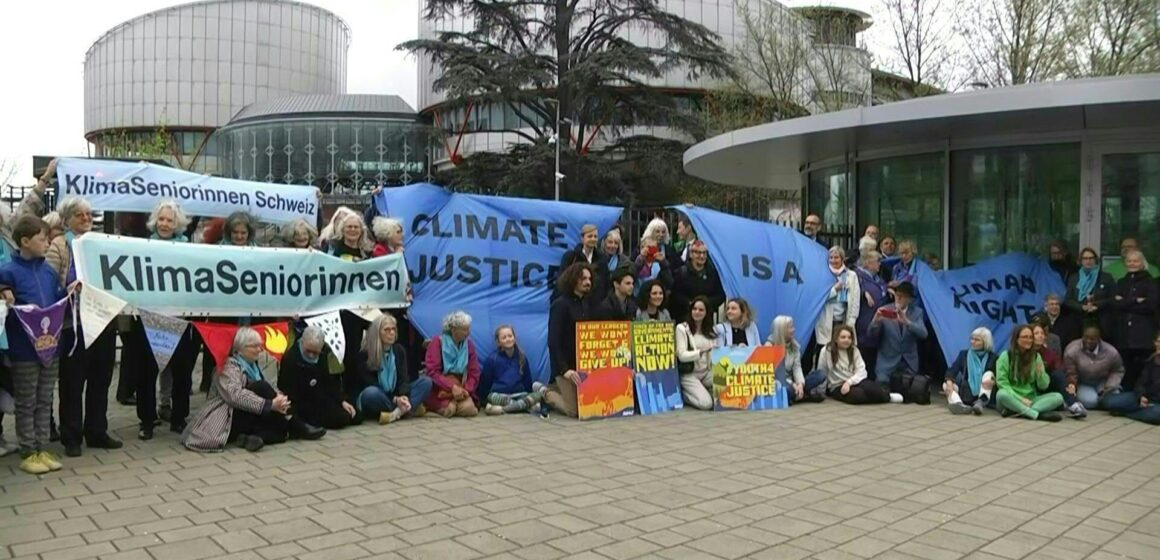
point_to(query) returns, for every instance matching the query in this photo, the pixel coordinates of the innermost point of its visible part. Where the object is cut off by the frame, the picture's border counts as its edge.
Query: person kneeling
(244, 408)
(306, 379)
(846, 377)
(390, 391)
(971, 379)
(1023, 381)
(507, 385)
(453, 366)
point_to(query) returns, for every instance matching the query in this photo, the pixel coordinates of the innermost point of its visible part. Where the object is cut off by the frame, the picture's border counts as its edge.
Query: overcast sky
(42, 53)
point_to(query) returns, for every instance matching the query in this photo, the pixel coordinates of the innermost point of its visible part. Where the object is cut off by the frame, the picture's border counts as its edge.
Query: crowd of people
(871, 344)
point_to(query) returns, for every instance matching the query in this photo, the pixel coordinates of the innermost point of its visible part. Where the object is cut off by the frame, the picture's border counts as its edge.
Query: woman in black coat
(1089, 293)
(588, 253)
(1135, 299)
(315, 393)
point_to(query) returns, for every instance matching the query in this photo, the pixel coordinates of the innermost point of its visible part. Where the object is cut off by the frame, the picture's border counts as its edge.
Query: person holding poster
(28, 280)
(695, 341)
(506, 384)
(805, 388)
(384, 387)
(970, 381)
(740, 325)
(453, 366)
(574, 285)
(1023, 381)
(846, 376)
(653, 305)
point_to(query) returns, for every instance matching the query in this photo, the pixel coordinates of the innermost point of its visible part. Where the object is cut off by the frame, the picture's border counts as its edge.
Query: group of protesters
(867, 345)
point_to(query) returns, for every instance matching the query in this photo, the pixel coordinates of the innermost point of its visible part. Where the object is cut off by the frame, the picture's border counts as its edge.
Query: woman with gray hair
(239, 230)
(305, 377)
(298, 234)
(454, 369)
(388, 233)
(970, 381)
(243, 407)
(385, 387)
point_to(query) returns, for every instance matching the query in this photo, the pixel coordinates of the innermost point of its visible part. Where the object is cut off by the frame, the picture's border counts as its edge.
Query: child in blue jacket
(506, 381)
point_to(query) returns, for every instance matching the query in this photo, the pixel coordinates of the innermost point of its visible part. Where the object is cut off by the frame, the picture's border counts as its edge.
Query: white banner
(137, 187)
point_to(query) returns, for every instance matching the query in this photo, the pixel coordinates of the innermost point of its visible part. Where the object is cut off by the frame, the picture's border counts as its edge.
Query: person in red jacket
(453, 366)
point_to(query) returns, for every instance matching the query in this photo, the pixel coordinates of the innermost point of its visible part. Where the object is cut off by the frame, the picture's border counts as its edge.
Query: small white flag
(331, 325)
(98, 309)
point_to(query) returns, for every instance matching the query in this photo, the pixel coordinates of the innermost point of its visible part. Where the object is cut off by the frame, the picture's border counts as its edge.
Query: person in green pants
(1023, 381)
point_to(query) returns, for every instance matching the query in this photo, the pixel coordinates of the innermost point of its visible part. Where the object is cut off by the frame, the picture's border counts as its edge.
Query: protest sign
(43, 326)
(654, 357)
(98, 309)
(495, 258)
(604, 362)
(748, 378)
(998, 293)
(123, 186)
(192, 279)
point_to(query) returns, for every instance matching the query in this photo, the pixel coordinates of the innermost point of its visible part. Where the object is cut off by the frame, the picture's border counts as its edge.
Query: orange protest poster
(604, 362)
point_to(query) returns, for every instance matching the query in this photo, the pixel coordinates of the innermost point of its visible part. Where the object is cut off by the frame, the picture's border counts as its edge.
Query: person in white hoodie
(846, 378)
(695, 341)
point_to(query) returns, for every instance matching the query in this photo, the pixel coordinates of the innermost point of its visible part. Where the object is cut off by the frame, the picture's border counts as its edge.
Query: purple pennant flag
(43, 327)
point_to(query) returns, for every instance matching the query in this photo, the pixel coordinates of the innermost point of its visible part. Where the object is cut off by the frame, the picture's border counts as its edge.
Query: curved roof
(773, 155)
(344, 105)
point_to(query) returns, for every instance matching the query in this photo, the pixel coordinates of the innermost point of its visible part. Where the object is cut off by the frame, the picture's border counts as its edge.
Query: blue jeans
(816, 378)
(1087, 395)
(372, 401)
(1127, 403)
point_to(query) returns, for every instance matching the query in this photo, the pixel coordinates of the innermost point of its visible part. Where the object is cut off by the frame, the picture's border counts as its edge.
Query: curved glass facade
(336, 155)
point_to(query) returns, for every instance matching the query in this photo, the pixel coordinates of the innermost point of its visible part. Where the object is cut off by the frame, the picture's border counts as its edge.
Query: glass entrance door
(1130, 201)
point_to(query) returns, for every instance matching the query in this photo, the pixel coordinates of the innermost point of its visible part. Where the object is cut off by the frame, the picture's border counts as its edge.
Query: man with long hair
(574, 285)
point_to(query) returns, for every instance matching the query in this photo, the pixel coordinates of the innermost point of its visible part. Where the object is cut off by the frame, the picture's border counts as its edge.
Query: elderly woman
(349, 240)
(328, 231)
(805, 388)
(384, 386)
(1135, 297)
(167, 222)
(85, 373)
(651, 264)
(841, 306)
(970, 381)
(906, 269)
(874, 295)
(298, 234)
(453, 365)
(243, 407)
(305, 378)
(388, 233)
(239, 230)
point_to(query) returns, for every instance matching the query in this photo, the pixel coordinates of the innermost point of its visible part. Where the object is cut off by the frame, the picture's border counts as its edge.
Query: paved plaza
(827, 481)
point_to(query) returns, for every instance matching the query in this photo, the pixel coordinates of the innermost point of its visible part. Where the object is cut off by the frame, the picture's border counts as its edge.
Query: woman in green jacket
(1023, 381)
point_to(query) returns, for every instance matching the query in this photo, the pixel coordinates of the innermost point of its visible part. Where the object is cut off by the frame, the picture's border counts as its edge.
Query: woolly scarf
(1087, 283)
(251, 369)
(843, 295)
(976, 366)
(454, 355)
(388, 372)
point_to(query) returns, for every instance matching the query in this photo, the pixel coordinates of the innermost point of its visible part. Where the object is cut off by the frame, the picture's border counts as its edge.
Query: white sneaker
(493, 410)
(7, 448)
(959, 408)
(896, 398)
(1077, 410)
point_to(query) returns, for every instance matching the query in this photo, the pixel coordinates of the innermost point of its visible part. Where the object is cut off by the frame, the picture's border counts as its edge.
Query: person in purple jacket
(29, 280)
(506, 383)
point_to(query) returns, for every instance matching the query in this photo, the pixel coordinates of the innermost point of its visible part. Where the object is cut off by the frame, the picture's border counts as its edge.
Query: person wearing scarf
(385, 389)
(874, 295)
(970, 381)
(305, 377)
(906, 269)
(838, 309)
(1089, 292)
(453, 366)
(243, 407)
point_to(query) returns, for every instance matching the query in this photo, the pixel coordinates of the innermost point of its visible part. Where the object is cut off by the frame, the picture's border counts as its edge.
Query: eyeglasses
(254, 345)
(812, 223)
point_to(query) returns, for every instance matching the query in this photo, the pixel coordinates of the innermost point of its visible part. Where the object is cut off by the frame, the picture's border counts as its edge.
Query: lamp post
(557, 176)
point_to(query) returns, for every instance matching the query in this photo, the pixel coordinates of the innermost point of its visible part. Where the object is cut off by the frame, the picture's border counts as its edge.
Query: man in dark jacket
(572, 307)
(697, 278)
(619, 305)
(315, 393)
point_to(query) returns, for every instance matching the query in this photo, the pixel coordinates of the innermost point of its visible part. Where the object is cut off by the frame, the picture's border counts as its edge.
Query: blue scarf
(903, 273)
(454, 355)
(844, 293)
(612, 262)
(976, 366)
(251, 369)
(1087, 283)
(302, 352)
(5, 252)
(175, 238)
(388, 373)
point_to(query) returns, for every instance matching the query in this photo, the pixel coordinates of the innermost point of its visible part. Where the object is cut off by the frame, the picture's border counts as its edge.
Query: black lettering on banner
(761, 268)
(501, 230)
(495, 271)
(995, 309)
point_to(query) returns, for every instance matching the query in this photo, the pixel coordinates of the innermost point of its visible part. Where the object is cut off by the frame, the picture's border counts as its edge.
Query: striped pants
(514, 402)
(34, 384)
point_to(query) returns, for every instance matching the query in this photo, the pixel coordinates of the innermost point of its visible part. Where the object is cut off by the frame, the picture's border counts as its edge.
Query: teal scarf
(388, 373)
(613, 262)
(454, 356)
(976, 366)
(302, 352)
(251, 369)
(175, 238)
(1087, 283)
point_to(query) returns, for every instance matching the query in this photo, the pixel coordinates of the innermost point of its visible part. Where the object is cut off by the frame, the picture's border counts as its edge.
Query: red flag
(219, 338)
(275, 338)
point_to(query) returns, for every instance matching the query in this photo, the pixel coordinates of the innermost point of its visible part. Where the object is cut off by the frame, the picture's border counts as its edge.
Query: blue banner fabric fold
(136, 187)
(998, 293)
(493, 257)
(187, 279)
(776, 269)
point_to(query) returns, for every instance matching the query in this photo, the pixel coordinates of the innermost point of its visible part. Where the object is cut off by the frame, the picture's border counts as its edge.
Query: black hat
(905, 288)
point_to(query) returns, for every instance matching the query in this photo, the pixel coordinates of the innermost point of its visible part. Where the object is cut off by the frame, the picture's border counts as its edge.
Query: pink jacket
(440, 397)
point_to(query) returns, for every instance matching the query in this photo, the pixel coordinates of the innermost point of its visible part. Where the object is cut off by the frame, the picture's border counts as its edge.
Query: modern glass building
(970, 175)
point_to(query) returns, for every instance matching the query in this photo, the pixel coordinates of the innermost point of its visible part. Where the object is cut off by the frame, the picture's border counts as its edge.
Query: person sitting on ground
(453, 366)
(1047, 347)
(740, 325)
(846, 378)
(970, 381)
(695, 341)
(898, 328)
(1023, 381)
(1093, 372)
(242, 406)
(619, 305)
(388, 233)
(1141, 403)
(805, 388)
(387, 389)
(304, 377)
(507, 384)
(1089, 291)
(574, 285)
(697, 278)
(653, 306)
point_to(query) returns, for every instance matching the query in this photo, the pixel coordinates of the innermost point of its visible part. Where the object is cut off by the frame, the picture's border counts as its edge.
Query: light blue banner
(998, 293)
(217, 280)
(776, 269)
(123, 186)
(493, 257)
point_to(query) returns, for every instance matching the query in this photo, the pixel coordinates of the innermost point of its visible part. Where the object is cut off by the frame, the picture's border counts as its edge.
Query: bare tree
(922, 45)
(772, 57)
(1015, 42)
(8, 171)
(1114, 37)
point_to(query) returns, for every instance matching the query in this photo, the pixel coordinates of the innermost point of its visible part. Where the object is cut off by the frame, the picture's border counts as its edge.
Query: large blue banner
(998, 293)
(776, 269)
(493, 257)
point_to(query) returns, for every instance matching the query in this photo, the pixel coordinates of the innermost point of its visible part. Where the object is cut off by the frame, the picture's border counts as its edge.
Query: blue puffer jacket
(34, 282)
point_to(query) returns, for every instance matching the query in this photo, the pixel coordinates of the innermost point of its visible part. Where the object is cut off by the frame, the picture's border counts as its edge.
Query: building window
(829, 196)
(1131, 189)
(1013, 199)
(904, 197)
